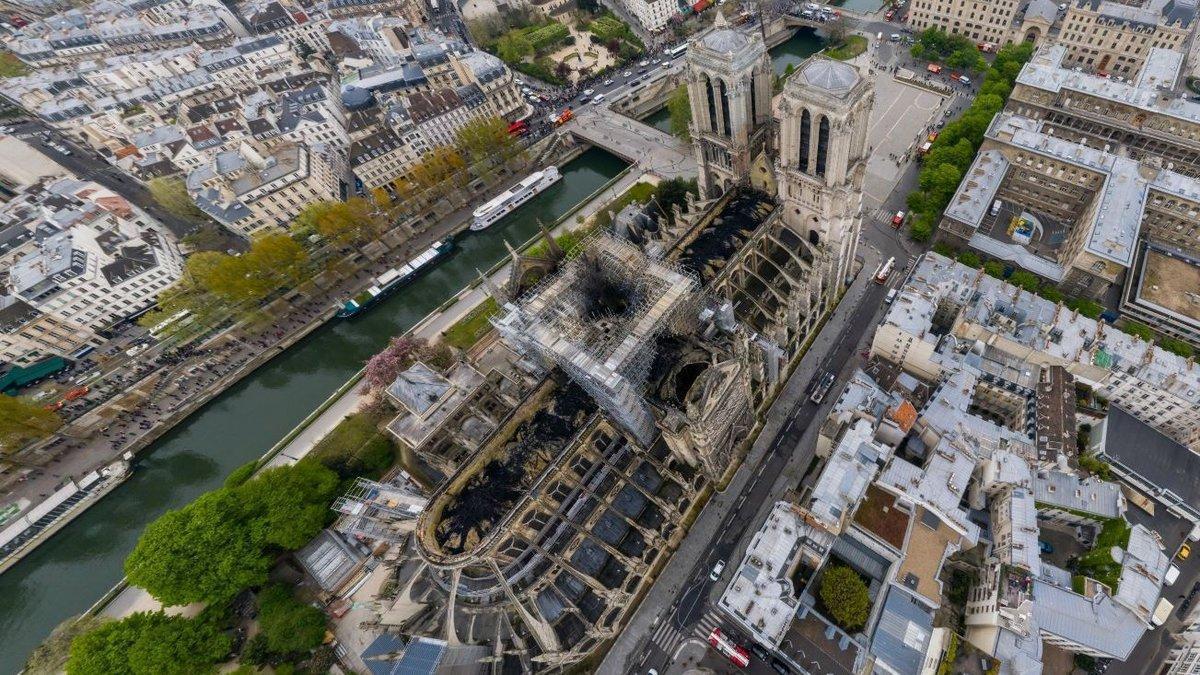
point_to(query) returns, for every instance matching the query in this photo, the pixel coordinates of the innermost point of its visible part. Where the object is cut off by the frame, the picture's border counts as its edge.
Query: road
(85, 163)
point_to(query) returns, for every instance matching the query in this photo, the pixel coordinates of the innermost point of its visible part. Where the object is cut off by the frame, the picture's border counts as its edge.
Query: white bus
(676, 51)
(174, 321)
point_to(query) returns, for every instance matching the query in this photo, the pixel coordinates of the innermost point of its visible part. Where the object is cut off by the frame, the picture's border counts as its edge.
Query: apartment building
(28, 335)
(248, 190)
(1107, 36)
(980, 20)
(653, 15)
(92, 260)
(946, 305)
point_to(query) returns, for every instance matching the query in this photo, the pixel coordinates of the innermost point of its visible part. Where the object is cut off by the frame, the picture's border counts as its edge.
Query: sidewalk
(627, 649)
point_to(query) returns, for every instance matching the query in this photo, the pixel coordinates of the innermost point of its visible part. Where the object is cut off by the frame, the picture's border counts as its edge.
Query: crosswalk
(668, 637)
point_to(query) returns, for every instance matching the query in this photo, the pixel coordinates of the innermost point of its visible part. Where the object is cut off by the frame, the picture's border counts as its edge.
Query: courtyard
(900, 120)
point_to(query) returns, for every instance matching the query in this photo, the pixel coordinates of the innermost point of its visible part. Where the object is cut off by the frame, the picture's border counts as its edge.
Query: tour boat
(387, 283)
(504, 203)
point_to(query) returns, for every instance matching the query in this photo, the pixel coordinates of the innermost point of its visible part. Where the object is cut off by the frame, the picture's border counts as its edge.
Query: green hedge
(547, 36)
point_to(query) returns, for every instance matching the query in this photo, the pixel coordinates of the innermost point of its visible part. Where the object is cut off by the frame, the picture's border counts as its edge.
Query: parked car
(1184, 552)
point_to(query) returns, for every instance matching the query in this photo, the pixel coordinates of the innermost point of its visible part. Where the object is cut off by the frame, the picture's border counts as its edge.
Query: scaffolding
(598, 319)
(380, 511)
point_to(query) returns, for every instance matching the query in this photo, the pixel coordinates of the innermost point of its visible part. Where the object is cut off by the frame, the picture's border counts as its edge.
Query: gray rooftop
(1090, 495)
(902, 632)
(829, 75)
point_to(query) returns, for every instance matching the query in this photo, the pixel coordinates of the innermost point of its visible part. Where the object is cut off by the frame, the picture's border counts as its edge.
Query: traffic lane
(737, 523)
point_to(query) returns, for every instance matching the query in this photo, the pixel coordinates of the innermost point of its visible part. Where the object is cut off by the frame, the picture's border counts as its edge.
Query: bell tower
(823, 119)
(729, 88)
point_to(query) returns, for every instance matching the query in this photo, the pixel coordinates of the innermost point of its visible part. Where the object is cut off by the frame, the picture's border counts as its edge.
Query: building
(729, 85)
(1106, 36)
(248, 191)
(653, 15)
(92, 259)
(947, 306)
(978, 20)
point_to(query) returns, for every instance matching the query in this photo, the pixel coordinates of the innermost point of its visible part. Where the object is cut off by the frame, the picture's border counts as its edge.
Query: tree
(202, 552)
(836, 31)
(486, 142)
(1177, 347)
(674, 191)
(349, 223)
(970, 259)
(680, 109)
(171, 194)
(1050, 292)
(290, 626)
(1086, 307)
(845, 596)
(241, 474)
(562, 70)
(513, 47)
(149, 643)
(286, 506)
(22, 421)
(1139, 330)
(1026, 280)
(382, 368)
(994, 268)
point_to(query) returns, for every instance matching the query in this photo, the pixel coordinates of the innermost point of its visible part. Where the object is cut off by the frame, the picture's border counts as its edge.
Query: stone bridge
(650, 149)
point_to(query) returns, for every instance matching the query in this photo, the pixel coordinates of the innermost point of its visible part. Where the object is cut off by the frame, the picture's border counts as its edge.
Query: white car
(643, 64)
(608, 83)
(599, 99)
(1172, 575)
(628, 73)
(588, 92)
(716, 570)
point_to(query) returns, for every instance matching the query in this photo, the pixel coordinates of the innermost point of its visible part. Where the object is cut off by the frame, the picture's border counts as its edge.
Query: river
(68, 573)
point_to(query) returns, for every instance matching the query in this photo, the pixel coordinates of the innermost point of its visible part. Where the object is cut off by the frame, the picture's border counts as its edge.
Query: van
(965, 80)
(996, 205)
(599, 98)
(1162, 612)
(890, 297)
(1171, 575)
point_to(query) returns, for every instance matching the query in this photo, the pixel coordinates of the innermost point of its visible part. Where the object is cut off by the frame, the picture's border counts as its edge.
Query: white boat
(504, 203)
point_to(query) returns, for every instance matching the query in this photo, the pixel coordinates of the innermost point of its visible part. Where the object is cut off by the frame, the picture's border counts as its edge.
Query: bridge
(650, 149)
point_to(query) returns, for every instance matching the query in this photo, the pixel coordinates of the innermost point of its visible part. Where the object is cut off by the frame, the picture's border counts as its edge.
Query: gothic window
(725, 109)
(805, 138)
(822, 145)
(712, 104)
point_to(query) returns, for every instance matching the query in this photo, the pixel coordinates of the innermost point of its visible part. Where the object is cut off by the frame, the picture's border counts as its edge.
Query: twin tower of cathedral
(809, 149)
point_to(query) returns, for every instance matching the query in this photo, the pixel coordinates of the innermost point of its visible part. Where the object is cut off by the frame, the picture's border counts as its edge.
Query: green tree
(241, 474)
(1026, 280)
(22, 421)
(171, 194)
(148, 643)
(290, 626)
(674, 191)
(1086, 307)
(1050, 292)
(203, 552)
(1138, 329)
(513, 47)
(970, 259)
(11, 66)
(288, 505)
(845, 596)
(917, 51)
(939, 184)
(994, 268)
(680, 109)
(1177, 346)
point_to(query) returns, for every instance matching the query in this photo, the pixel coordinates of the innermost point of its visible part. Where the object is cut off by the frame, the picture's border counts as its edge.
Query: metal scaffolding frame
(609, 353)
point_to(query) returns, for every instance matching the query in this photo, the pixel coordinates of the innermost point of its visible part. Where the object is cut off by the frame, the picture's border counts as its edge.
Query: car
(780, 667)
(608, 83)
(1045, 547)
(1184, 551)
(758, 651)
(1171, 575)
(948, 113)
(628, 73)
(643, 64)
(898, 219)
(641, 71)
(716, 570)
(599, 98)
(652, 672)
(588, 92)
(890, 297)
(584, 100)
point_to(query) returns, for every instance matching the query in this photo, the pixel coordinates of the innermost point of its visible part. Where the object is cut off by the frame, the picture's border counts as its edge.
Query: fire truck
(728, 648)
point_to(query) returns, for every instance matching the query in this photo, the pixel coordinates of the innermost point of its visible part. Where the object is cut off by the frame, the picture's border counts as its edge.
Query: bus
(518, 128)
(884, 271)
(736, 654)
(677, 50)
(174, 321)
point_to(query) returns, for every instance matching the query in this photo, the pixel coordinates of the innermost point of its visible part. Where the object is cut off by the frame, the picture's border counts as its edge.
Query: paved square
(898, 122)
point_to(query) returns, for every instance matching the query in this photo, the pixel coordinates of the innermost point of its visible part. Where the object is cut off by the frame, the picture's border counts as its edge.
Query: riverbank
(123, 599)
(67, 573)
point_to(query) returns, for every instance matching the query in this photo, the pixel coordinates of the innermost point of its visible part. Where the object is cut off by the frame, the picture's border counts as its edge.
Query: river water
(68, 573)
